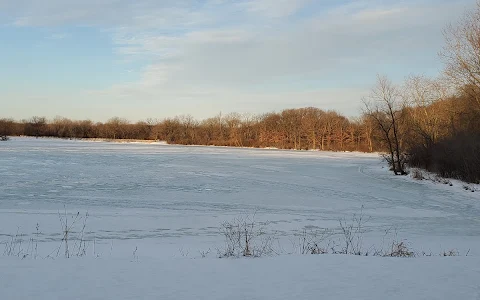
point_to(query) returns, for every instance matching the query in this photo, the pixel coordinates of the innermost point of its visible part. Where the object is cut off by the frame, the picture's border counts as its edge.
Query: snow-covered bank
(284, 277)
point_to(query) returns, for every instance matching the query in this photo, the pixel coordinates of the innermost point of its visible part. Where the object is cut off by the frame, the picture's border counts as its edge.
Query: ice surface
(153, 191)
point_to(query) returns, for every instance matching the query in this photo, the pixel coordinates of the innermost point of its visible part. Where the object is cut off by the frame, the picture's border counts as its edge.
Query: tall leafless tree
(461, 53)
(385, 107)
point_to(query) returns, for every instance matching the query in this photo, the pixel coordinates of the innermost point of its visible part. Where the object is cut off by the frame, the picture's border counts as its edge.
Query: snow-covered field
(154, 210)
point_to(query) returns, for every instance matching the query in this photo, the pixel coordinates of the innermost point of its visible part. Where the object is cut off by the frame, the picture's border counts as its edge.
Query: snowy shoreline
(164, 143)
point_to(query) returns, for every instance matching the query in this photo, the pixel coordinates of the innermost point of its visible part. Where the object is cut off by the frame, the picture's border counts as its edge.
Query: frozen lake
(178, 196)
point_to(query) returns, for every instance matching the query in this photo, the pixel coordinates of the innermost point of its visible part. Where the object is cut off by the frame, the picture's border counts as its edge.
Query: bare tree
(116, 128)
(153, 128)
(233, 123)
(461, 52)
(6, 128)
(189, 128)
(385, 107)
(62, 127)
(36, 126)
(421, 93)
(311, 125)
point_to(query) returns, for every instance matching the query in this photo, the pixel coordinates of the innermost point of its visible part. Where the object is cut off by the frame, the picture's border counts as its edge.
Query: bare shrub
(79, 248)
(184, 252)
(245, 237)
(204, 254)
(459, 157)
(451, 252)
(17, 246)
(417, 174)
(469, 188)
(310, 241)
(399, 249)
(352, 233)
(14, 246)
(135, 255)
(442, 180)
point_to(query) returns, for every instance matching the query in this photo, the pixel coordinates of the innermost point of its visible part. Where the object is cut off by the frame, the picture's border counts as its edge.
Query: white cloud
(273, 8)
(243, 56)
(58, 36)
(377, 14)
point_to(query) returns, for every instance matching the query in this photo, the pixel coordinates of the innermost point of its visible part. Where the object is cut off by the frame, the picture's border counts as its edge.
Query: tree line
(301, 129)
(428, 123)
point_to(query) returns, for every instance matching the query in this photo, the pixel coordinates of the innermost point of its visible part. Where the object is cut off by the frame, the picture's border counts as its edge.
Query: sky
(95, 59)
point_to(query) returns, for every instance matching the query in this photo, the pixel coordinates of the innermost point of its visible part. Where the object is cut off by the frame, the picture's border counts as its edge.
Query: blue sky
(96, 59)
